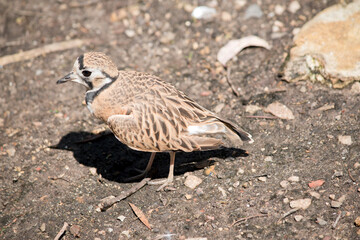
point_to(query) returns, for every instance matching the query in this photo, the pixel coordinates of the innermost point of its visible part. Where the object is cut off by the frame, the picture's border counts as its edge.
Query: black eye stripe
(86, 73)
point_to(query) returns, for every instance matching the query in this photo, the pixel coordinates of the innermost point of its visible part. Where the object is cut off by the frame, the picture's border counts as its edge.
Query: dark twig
(107, 202)
(262, 117)
(247, 218)
(62, 231)
(236, 93)
(351, 177)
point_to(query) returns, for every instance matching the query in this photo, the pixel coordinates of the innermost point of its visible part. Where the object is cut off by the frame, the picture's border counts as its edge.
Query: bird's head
(93, 70)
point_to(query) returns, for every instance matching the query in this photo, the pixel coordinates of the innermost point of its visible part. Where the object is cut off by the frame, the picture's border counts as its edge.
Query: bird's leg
(147, 169)
(170, 177)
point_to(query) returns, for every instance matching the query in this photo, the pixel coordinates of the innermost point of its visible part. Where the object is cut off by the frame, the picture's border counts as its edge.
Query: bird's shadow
(116, 162)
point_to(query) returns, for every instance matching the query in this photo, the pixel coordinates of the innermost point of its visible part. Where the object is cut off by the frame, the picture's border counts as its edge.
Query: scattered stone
(280, 111)
(321, 221)
(298, 218)
(188, 196)
(316, 183)
(357, 222)
(240, 3)
(346, 140)
(324, 48)
(253, 11)
(121, 218)
(93, 171)
(245, 185)
(167, 37)
(279, 9)
(219, 107)
(301, 203)
(43, 227)
(75, 230)
(286, 200)
(337, 174)
(110, 230)
(332, 196)
(315, 194)
(126, 233)
(11, 151)
(223, 192)
(262, 179)
(342, 198)
(192, 181)
(268, 159)
(240, 171)
(2, 122)
(294, 6)
(335, 204)
(284, 184)
(226, 17)
(355, 88)
(356, 165)
(130, 33)
(252, 109)
(199, 191)
(203, 12)
(236, 184)
(294, 179)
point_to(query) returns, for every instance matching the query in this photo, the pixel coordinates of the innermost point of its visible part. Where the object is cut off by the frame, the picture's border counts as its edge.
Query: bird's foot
(164, 183)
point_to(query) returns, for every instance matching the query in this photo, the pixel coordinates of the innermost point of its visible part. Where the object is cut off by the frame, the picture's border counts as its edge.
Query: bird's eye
(86, 73)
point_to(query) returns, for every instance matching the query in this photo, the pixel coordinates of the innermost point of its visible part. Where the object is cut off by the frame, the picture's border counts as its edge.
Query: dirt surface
(42, 187)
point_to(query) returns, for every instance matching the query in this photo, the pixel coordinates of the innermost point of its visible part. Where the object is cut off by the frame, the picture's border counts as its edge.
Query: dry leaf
(233, 47)
(140, 215)
(280, 110)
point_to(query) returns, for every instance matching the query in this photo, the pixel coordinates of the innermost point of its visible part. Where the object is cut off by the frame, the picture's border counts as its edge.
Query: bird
(148, 114)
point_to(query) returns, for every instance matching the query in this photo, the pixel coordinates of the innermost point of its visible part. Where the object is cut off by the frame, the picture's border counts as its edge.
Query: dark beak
(67, 78)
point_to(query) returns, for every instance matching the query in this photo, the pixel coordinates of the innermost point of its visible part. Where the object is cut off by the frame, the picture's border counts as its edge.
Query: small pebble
(356, 165)
(219, 107)
(188, 196)
(321, 221)
(130, 33)
(121, 218)
(336, 204)
(126, 233)
(301, 203)
(284, 184)
(355, 88)
(192, 181)
(298, 218)
(279, 9)
(268, 159)
(294, 179)
(93, 171)
(332, 196)
(240, 171)
(43, 227)
(223, 192)
(226, 17)
(110, 230)
(342, 198)
(262, 179)
(236, 184)
(253, 11)
(203, 12)
(294, 6)
(286, 200)
(199, 191)
(357, 221)
(75, 230)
